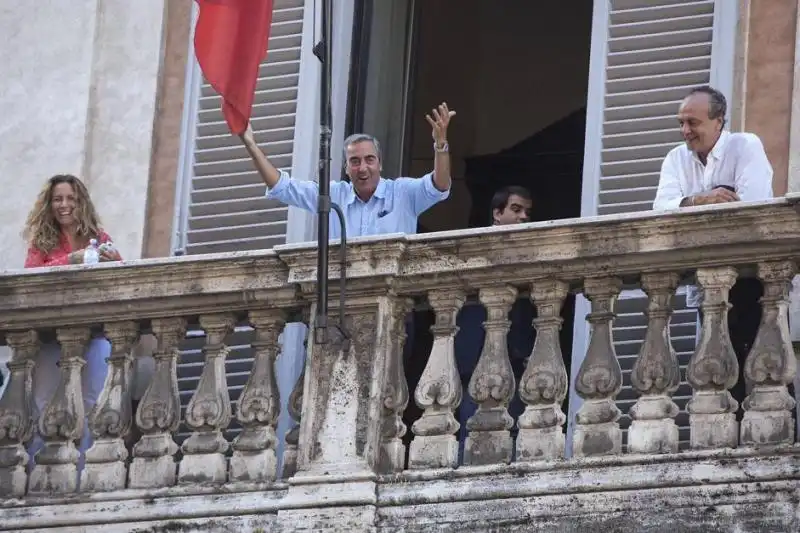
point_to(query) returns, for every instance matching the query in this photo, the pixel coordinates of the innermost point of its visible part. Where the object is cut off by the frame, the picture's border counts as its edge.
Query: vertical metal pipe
(324, 202)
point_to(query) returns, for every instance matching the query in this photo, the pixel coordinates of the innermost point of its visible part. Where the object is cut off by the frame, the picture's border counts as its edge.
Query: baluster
(544, 383)
(771, 364)
(492, 384)
(713, 368)
(209, 411)
(110, 418)
(16, 413)
(656, 374)
(254, 457)
(62, 420)
(294, 406)
(395, 394)
(439, 390)
(599, 380)
(158, 415)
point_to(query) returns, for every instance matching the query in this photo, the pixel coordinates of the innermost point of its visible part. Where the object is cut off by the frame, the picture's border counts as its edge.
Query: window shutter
(657, 51)
(649, 54)
(227, 210)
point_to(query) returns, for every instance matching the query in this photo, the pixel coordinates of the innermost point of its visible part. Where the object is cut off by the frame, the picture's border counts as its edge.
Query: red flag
(230, 41)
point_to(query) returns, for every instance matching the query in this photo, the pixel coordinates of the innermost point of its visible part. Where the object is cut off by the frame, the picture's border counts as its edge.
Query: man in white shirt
(714, 166)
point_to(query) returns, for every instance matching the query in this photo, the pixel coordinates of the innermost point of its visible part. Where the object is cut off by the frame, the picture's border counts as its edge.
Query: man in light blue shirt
(372, 205)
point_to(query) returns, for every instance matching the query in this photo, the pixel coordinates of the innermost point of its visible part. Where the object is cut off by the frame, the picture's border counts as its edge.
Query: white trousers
(46, 377)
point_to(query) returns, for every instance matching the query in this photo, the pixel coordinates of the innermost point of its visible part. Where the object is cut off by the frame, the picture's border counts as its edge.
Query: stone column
(395, 395)
(771, 364)
(656, 374)
(62, 420)
(340, 429)
(340, 433)
(492, 384)
(254, 456)
(209, 411)
(16, 414)
(713, 368)
(111, 417)
(599, 379)
(159, 412)
(439, 391)
(544, 383)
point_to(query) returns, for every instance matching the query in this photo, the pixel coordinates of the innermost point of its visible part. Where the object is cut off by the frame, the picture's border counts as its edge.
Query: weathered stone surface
(340, 430)
(676, 493)
(544, 383)
(439, 390)
(741, 490)
(656, 374)
(395, 393)
(16, 414)
(599, 379)
(62, 421)
(209, 411)
(714, 368)
(158, 415)
(344, 413)
(111, 418)
(771, 364)
(492, 384)
(254, 457)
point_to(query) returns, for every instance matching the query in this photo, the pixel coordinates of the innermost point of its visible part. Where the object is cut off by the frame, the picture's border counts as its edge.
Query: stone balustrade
(346, 462)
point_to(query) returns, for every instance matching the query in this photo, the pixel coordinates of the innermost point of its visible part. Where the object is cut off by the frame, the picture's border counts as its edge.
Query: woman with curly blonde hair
(58, 230)
(61, 224)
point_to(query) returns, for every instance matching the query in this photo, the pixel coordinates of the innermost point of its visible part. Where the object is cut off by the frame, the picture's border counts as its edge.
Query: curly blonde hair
(42, 230)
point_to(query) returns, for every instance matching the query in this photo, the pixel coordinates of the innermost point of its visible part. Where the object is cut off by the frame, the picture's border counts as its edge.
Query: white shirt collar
(718, 150)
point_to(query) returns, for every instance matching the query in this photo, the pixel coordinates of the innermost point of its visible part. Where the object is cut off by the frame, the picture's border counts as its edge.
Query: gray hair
(359, 138)
(717, 105)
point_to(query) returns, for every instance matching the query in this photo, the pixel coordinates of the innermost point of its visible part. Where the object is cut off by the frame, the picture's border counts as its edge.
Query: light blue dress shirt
(393, 208)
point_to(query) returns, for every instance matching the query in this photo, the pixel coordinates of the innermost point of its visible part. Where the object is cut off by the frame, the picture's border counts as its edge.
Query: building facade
(582, 114)
(125, 107)
(576, 105)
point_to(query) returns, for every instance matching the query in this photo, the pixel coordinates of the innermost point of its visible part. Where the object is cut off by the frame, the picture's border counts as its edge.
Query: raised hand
(248, 136)
(439, 122)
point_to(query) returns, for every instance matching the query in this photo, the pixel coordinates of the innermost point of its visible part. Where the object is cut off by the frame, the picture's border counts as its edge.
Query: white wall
(78, 95)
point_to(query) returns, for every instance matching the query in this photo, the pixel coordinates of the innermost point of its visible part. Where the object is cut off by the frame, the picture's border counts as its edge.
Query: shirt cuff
(669, 205)
(279, 187)
(432, 191)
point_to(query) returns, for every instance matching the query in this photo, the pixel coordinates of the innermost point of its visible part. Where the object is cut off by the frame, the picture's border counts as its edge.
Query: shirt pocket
(393, 221)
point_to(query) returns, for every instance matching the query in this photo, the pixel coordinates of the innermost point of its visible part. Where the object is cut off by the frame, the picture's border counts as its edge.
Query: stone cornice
(149, 288)
(622, 245)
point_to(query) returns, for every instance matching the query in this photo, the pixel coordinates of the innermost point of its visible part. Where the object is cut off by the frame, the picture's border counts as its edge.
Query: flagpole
(324, 51)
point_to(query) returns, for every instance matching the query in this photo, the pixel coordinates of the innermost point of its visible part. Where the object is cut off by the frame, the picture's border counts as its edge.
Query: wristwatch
(441, 148)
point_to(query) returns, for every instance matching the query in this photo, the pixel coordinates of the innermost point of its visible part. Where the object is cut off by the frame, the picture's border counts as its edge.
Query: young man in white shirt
(714, 166)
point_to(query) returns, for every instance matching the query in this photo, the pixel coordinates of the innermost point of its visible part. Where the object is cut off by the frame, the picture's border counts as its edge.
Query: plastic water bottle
(91, 255)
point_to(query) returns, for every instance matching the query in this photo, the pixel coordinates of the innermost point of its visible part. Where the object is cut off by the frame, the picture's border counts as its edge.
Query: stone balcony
(346, 465)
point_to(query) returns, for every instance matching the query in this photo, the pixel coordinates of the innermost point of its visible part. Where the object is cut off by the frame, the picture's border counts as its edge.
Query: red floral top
(57, 256)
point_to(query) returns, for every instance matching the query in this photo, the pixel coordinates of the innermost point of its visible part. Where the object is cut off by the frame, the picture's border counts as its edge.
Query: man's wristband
(441, 148)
